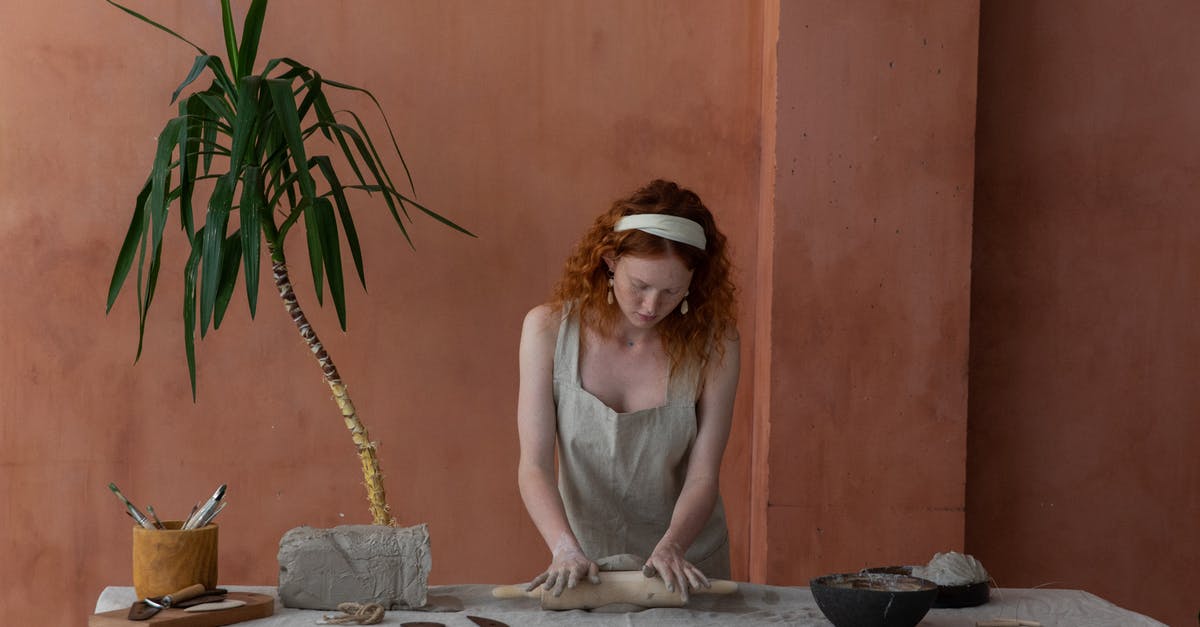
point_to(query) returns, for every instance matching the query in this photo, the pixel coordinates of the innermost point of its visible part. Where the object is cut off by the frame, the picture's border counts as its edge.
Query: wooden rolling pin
(615, 587)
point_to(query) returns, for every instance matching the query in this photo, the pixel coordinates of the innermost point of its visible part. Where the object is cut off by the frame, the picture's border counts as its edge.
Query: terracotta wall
(836, 142)
(863, 390)
(1083, 470)
(523, 120)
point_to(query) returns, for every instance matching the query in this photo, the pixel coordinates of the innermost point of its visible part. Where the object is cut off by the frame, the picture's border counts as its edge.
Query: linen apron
(620, 474)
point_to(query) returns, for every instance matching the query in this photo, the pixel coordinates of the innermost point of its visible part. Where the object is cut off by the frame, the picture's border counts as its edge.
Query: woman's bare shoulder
(542, 321)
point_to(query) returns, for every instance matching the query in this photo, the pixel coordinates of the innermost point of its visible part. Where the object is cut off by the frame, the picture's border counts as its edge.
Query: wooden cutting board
(257, 606)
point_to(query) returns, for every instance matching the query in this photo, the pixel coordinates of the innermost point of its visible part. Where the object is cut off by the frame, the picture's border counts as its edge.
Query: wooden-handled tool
(146, 608)
(615, 587)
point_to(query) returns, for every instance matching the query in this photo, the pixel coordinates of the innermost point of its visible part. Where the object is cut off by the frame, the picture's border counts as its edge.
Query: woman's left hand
(667, 561)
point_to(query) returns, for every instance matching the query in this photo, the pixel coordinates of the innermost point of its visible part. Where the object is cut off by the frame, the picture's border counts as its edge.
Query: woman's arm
(537, 427)
(714, 417)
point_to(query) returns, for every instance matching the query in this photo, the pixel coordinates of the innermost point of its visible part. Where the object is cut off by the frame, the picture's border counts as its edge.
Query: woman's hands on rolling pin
(569, 565)
(667, 561)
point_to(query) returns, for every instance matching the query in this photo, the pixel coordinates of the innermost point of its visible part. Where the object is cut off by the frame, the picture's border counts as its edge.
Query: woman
(631, 371)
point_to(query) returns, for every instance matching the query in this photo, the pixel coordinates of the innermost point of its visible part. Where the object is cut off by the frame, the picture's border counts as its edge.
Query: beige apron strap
(566, 349)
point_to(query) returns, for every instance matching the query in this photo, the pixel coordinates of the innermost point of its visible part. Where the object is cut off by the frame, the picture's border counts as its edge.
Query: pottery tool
(157, 523)
(214, 606)
(631, 587)
(206, 512)
(150, 606)
(136, 514)
(213, 595)
(256, 606)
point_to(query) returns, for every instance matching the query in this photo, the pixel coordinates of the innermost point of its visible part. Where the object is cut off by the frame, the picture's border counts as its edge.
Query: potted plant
(253, 136)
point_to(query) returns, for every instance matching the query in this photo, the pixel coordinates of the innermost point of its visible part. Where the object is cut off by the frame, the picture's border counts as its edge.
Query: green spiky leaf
(250, 215)
(128, 247)
(197, 69)
(231, 45)
(157, 25)
(214, 240)
(189, 306)
(332, 255)
(231, 261)
(251, 31)
(343, 207)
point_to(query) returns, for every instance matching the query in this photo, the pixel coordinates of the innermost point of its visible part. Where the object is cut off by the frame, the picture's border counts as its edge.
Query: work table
(752, 604)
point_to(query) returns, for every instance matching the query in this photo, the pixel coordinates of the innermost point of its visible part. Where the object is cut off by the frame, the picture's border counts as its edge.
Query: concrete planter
(319, 568)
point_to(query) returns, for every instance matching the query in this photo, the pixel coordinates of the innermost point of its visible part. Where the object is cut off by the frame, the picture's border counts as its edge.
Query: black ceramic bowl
(967, 595)
(873, 599)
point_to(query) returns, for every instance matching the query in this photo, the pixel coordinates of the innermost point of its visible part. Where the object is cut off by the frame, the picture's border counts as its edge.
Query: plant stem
(372, 476)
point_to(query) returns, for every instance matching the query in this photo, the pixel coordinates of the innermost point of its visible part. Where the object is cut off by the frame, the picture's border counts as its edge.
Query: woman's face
(649, 288)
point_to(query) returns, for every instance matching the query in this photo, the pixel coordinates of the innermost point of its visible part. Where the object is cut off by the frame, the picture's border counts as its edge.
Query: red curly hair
(712, 304)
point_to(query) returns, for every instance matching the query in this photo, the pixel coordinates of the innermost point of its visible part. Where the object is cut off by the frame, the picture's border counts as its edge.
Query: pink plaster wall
(836, 143)
(868, 303)
(1084, 452)
(523, 120)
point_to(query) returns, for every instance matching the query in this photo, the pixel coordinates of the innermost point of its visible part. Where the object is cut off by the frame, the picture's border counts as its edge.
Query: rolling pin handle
(718, 586)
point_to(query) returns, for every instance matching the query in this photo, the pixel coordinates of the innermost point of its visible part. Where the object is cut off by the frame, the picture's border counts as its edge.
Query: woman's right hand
(569, 565)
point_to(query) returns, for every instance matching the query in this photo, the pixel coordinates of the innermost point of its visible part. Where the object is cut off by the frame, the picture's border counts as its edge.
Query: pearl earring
(683, 308)
(610, 289)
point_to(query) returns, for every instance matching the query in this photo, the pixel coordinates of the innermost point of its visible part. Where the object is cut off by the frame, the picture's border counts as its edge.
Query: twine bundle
(360, 613)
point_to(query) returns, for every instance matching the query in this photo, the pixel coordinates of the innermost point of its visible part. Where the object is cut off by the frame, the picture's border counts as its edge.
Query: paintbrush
(205, 513)
(157, 523)
(212, 514)
(129, 507)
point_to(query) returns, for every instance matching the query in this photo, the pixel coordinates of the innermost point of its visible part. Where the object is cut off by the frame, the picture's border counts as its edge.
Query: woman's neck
(629, 336)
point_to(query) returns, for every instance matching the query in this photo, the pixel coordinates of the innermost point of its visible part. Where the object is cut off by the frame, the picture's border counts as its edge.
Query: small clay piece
(486, 622)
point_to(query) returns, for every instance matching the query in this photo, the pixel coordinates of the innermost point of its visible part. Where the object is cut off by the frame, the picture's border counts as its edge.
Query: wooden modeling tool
(630, 587)
(144, 609)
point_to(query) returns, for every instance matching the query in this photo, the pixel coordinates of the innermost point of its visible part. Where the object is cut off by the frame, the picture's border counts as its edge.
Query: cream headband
(674, 228)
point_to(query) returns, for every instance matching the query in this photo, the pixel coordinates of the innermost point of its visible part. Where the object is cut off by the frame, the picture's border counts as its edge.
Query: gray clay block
(319, 568)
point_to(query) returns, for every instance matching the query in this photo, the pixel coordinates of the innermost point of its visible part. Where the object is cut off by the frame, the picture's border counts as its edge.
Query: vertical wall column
(861, 402)
(760, 439)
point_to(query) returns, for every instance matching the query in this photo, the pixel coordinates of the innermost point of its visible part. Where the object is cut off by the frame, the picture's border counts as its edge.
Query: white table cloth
(753, 604)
